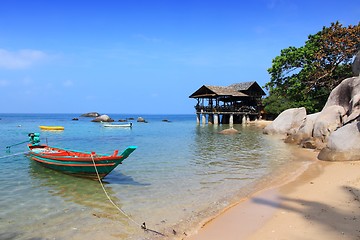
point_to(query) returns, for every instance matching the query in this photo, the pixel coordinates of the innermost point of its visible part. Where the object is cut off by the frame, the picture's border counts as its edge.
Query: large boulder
(354, 109)
(343, 144)
(103, 118)
(288, 122)
(305, 131)
(328, 121)
(141, 119)
(344, 93)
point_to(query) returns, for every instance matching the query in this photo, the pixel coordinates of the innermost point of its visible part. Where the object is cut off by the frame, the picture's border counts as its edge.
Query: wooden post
(211, 119)
(198, 118)
(231, 120)
(243, 121)
(216, 119)
(203, 119)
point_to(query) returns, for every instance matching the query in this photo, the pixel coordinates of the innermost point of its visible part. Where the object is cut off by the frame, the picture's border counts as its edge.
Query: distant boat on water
(120, 125)
(52, 128)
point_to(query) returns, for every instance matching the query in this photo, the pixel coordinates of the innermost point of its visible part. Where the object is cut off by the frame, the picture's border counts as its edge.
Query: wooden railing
(227, 109)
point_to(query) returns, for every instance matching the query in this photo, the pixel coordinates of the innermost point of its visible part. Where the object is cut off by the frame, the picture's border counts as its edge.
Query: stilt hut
(237, 103)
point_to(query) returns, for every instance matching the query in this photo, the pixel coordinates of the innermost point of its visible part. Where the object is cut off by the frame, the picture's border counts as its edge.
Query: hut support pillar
(203, 119)
(216, 119)
(231, 119)
(211, 119)
(243, 120)
(198, 118)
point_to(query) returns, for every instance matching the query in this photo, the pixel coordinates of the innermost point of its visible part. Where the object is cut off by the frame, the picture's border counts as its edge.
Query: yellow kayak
(52, 128)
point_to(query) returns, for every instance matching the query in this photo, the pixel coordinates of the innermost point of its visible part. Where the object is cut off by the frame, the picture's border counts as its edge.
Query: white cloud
(20, 59)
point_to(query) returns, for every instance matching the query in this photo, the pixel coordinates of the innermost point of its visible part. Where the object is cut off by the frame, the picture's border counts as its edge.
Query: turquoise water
(180, 174)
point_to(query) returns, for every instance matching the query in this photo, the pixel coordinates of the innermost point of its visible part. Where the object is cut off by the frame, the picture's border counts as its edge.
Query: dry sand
(321, 203)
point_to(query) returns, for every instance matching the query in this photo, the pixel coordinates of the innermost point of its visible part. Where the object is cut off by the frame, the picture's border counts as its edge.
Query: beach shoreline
(320, 201)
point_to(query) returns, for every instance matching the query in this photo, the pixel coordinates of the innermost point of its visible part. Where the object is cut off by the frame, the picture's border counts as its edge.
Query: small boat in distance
(118, 125)
(52, 128)
(76, 163)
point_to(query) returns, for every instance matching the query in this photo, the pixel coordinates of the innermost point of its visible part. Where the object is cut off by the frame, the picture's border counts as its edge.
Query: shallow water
(180, 174)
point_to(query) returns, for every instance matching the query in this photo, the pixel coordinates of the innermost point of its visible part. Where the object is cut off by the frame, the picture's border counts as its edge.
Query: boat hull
(52, 128)
(124, 125)
(76, 163)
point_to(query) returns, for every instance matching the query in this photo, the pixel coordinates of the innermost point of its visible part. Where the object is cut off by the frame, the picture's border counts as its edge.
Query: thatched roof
(242, 86)
(234, 90)
(226, 91)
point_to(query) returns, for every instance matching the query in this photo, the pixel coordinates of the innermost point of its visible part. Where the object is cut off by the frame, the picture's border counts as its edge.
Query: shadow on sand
(347, 223)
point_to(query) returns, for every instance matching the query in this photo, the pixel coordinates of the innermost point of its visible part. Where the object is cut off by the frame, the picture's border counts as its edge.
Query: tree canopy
(304, 76)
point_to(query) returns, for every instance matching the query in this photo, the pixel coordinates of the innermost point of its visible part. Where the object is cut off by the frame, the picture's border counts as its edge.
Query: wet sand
(323, 202)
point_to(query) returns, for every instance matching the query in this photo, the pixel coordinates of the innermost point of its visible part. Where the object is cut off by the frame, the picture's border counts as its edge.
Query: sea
(180, 175)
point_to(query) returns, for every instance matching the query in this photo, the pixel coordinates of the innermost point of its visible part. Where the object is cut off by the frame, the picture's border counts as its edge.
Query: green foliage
(305, 76)
(275, 104)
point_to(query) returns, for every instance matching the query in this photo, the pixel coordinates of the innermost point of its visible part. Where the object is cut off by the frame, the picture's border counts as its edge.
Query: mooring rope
(143, 226)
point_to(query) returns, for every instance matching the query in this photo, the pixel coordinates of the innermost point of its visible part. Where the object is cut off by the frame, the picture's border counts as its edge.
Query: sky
(145, 56)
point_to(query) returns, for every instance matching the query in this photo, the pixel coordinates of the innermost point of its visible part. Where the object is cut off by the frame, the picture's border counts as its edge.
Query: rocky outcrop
(305, 132)
(343, 144)
(335, 130)
(90, 114)
(103, 118)
(328, 120)
(344, 93)
(288, 122)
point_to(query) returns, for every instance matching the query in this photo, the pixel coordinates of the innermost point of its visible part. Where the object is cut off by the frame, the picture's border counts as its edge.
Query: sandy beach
(323, 202)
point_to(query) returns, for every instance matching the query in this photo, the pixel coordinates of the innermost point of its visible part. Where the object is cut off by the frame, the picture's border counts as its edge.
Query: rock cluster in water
(103, 118)
(335, 131)
(141, 119)
(229, 131)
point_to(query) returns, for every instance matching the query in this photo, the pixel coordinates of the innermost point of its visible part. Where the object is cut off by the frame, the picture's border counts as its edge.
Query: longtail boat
(76, 163)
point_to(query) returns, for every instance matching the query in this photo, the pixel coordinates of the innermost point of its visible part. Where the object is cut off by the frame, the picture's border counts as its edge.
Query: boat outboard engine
(34, 138)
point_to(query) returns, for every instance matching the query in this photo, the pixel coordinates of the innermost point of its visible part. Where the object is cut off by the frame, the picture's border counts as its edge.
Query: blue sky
(146, 57)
